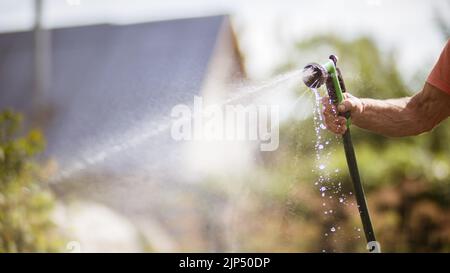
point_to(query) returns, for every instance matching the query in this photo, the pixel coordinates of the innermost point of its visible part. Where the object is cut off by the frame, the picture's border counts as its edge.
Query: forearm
(405, 116)
(393, 117)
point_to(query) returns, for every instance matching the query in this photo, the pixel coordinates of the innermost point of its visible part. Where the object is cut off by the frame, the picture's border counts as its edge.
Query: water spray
(314, 76)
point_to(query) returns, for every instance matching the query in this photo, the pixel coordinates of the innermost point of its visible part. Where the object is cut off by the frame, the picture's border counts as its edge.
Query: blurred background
(86, 92)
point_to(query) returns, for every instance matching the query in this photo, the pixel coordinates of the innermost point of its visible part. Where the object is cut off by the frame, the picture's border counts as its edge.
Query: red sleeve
(440, 75)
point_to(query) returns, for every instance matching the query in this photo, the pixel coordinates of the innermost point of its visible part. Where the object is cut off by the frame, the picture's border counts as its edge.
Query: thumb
(345, 106)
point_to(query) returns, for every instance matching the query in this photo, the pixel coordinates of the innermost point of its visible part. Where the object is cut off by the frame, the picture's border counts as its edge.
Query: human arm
(393, 117)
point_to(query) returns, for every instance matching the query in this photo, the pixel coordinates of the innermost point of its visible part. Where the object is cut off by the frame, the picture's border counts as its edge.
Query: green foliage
(25, 203)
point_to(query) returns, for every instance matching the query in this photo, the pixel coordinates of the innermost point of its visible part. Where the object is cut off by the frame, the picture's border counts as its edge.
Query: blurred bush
(25, 202)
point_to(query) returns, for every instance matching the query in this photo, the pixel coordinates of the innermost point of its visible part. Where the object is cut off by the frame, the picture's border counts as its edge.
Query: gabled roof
(106, 77)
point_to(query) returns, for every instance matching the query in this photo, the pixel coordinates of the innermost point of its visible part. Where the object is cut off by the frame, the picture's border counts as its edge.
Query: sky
(266, 28)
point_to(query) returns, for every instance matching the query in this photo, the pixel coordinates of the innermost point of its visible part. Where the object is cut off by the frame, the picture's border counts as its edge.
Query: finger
(341, 125)
(327, 102)
(330, 118)
(332, 127)
(334, 123)
(328, 106)
(339, 122)
(329, 111)
(342, 129)
(345, 106)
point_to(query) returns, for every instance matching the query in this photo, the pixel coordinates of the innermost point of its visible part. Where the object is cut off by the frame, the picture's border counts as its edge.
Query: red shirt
(440, 75)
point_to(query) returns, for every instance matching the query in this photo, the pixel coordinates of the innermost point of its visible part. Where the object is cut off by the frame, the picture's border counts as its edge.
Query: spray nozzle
(314, 75)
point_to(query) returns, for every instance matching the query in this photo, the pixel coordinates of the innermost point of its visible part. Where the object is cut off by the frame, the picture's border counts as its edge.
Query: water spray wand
(314, 76)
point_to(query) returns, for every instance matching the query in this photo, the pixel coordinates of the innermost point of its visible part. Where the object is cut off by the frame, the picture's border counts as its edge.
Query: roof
(105, 78)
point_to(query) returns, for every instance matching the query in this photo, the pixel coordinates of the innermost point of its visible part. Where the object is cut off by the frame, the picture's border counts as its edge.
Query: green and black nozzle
(314, 76)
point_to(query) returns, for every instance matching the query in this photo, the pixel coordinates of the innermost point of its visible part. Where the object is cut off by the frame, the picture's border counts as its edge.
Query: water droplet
(323, 194)
(321, 166)
(325, 212)
(323, 189)
(341, 200)
(322, 126)
(336, 171)
(320, 146)
(331, 211)
(359, 229)
(333, 229)
(326, 234)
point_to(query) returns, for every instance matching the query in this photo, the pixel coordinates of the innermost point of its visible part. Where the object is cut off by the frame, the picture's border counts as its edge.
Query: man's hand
(333, 121)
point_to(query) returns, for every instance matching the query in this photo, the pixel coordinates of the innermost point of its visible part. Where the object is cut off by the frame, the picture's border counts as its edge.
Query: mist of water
(146, 131)
(327, 184)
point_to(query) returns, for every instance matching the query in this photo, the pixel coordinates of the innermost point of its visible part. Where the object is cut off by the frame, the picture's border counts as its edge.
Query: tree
(25, 201)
